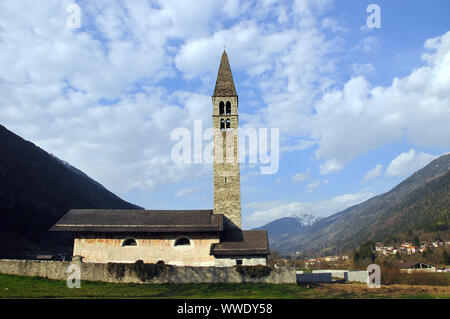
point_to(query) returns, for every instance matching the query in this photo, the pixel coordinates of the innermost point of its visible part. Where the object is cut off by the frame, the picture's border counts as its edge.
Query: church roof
(102, 220)
(242, 243)
(224, 83)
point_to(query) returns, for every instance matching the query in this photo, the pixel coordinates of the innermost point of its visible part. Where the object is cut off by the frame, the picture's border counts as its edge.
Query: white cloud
(97, 90)
(333, 25)
(186, 191)
(287, 62)
(264, 212)
(368, 44)
(312, 186)
(330, 166)
(249, 46)
(360, 118)
(300, 177)
(373, 173)
(297, 145)
(407, 163)
(362, 68)
(91, 96)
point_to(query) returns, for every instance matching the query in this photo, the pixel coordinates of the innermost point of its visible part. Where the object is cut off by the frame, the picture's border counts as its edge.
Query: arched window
(129, 242)
(228, 108)
(228, 123)
(221, 108)
(182, 241)
(222, 124)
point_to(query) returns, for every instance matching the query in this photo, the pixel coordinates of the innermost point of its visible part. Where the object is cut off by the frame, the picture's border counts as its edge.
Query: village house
(408, 248)
(180, 237)
(438, 243)
(426, 246)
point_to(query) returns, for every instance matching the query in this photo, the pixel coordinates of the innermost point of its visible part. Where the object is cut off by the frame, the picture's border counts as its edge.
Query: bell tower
(226, 180)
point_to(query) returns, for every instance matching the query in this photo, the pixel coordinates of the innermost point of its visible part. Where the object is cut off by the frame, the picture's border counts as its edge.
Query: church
(180, 237)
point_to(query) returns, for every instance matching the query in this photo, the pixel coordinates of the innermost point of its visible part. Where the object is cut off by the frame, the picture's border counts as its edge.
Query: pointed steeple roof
(224, 82)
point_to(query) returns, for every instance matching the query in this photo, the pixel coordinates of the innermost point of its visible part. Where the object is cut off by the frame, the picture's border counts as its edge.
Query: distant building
(183, 237)
(438, 244)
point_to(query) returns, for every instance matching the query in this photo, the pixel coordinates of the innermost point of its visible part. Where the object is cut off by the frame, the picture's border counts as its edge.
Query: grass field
(33, 287)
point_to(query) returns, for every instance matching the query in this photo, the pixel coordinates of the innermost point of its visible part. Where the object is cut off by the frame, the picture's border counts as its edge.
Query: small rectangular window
(238, 261)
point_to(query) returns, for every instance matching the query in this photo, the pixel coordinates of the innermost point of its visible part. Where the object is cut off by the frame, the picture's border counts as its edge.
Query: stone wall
(347, 275)
(180, 275)
(358, 276)
(342, 274)
(246, 261)
(306, 278)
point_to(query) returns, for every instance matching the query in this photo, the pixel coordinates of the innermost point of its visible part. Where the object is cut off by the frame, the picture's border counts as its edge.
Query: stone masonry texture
(181, 275)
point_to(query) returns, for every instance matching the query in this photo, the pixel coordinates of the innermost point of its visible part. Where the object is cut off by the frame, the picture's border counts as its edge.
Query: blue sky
(358, 109)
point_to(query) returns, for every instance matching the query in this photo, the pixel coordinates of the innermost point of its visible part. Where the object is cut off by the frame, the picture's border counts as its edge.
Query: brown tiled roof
(100, 220)
(224, 83)
(243, 243)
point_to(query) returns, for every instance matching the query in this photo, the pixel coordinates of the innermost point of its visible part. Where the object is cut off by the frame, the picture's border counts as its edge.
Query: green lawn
(33, 287)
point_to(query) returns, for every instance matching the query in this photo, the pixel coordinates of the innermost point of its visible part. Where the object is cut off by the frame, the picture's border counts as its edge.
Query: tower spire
(224, 83)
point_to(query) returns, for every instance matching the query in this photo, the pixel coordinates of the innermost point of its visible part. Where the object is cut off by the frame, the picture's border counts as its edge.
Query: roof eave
(184, 229)
(237, 252)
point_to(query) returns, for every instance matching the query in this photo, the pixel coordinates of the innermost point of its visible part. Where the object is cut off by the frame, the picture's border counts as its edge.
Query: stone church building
(180, 237)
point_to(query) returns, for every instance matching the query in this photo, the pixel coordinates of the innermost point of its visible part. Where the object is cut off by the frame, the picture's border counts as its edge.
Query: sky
(358, 108)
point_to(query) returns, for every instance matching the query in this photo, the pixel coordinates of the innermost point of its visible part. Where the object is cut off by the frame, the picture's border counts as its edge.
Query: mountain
(421, 202)
(426, 209)
(36, 190)
(286, 227)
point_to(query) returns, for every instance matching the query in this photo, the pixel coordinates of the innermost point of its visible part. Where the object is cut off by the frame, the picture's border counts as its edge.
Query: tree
(274, 254)
(364, 255)
(445, 257)
(416, 241)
